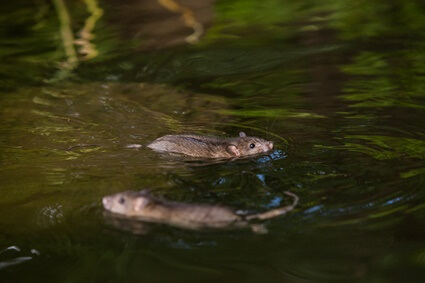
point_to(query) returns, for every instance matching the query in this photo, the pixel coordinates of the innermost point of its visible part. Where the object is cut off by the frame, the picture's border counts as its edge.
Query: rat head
(243, 146)
(127, 203)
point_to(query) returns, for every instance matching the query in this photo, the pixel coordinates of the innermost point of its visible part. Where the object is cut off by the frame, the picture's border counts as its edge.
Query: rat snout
(107, 203)
(267, 146)
(270, 145)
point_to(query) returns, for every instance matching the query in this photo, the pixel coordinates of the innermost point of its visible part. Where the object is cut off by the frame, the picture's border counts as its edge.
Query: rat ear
(233, 150)
(242, 134)
(140, 203)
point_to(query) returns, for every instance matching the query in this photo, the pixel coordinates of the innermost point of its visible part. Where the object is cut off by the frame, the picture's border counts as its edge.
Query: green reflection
(384, 147)
(380, 80)
(337, 85)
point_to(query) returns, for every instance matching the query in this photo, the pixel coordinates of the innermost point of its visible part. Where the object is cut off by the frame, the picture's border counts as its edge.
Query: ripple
(12, 256)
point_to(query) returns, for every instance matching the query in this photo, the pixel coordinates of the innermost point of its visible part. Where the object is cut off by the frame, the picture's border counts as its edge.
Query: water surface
(337, 85)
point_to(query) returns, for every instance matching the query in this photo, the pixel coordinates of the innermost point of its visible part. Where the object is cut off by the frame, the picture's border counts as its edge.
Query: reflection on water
(10, 257)
(337, 86)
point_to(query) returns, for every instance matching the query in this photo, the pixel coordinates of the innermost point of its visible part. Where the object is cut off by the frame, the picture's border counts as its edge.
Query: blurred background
(338, 86)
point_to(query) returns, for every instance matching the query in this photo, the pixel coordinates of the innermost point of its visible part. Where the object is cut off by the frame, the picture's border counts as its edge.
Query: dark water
(339, 86)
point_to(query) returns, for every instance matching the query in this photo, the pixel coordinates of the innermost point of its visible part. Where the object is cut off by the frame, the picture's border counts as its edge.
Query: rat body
(212, 147)
(143, 206)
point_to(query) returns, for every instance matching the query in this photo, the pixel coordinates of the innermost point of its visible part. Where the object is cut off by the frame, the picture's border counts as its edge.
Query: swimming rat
(212, 147)
(144, 206)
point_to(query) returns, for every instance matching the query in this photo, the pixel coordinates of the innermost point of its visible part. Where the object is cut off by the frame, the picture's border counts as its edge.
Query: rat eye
(121, 200)
(252, 145)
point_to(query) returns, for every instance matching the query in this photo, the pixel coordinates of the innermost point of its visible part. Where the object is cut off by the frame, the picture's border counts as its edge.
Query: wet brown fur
(142, 205)
(211, 147)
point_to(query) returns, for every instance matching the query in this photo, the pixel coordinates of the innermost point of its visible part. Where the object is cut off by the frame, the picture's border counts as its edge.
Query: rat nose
(270, 145)
(106, 202)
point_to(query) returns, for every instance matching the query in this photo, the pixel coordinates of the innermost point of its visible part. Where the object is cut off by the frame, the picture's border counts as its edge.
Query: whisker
(274, 121)
(267, 128)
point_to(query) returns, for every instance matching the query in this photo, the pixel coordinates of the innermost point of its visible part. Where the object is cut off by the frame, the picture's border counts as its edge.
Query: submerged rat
(143, 206)
(212, 147)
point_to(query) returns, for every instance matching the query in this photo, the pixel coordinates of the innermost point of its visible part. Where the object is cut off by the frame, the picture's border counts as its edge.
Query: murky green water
(338, 86)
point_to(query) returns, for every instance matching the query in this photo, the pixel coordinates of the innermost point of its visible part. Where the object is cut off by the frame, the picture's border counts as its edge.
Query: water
(337, 85)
